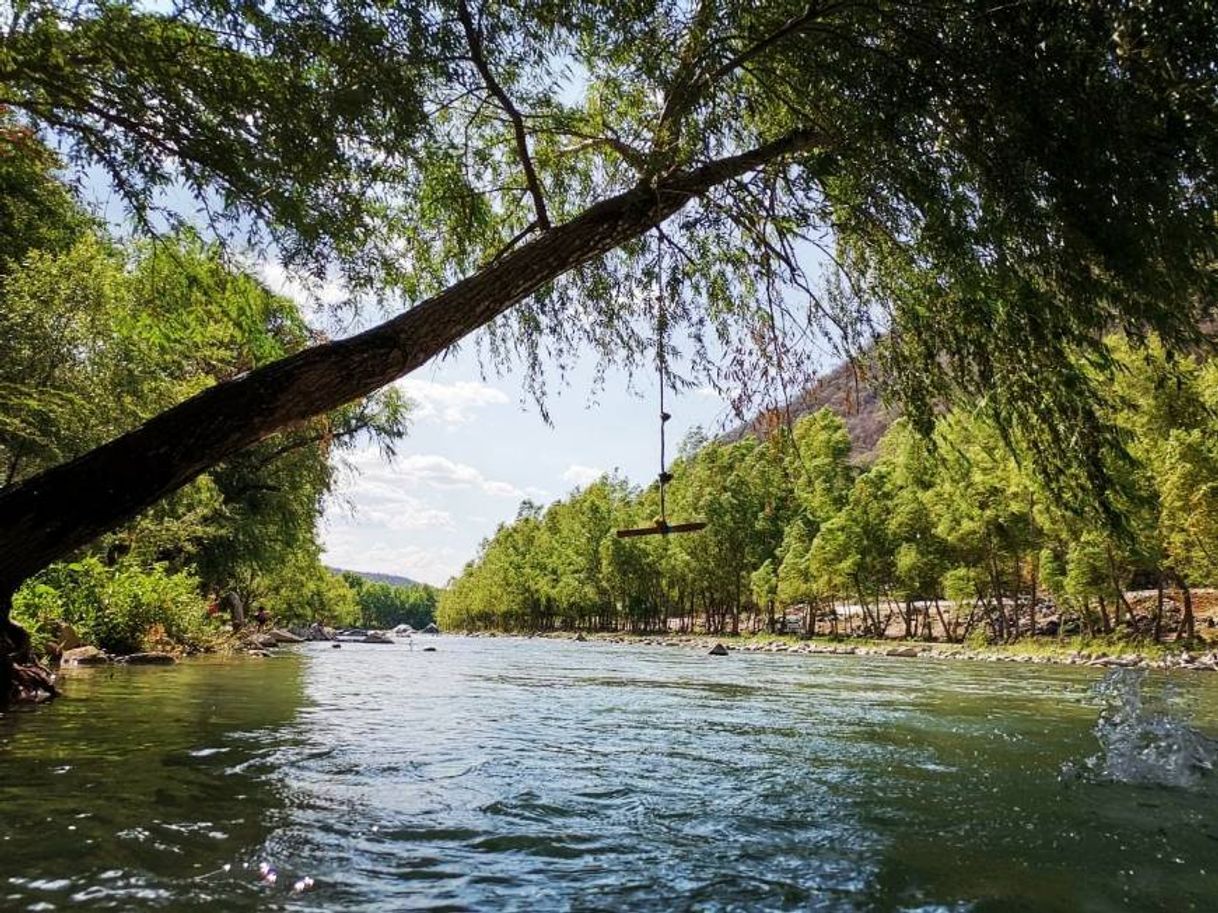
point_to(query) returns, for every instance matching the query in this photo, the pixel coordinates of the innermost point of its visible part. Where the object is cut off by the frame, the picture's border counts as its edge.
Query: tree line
(384, 605)
(98, 333)
(951, 537)
(997, 184)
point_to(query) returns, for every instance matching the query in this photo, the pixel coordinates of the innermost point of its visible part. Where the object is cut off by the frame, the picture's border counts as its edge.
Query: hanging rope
(661, 365)
(662, 527)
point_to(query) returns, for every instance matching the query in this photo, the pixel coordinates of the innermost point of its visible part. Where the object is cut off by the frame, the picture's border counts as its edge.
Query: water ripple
(540, 776)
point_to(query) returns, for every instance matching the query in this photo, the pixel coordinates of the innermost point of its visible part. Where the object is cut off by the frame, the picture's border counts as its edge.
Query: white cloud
(450, 404)
(436, 471)
(351, 548)
(381, 479)
(304, 290)
(577, 474)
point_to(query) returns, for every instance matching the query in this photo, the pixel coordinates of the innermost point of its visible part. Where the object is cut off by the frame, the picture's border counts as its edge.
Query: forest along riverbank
(1065, 652)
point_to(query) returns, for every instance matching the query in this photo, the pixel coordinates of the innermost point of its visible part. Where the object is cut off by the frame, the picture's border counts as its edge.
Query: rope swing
(661, 527)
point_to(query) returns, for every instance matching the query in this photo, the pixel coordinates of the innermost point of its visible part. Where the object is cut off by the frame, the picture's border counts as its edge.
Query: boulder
(580, 638)
(336, 646)
(84, 656)
(261, 642)
(149, 659)
(317, 631)
(376, 637)
(902, 651)
(429, 649)
(718, 650)
(285, 637)
(67, 638)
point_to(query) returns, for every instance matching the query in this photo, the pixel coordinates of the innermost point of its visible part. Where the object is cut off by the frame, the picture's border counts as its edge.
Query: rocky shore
(1121, 655)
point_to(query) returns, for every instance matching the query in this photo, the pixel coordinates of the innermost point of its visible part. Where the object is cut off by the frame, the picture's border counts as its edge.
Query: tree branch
(474, 39)
(49, 515)
(690, 83)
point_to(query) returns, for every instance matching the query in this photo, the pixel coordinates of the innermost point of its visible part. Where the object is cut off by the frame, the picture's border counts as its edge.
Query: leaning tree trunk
(50, 515)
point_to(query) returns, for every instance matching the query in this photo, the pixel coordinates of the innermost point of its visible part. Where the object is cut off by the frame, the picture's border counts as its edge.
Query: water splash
(1145, 735)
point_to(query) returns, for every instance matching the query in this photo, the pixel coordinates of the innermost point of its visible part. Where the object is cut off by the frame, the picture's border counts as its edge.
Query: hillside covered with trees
(954, 537)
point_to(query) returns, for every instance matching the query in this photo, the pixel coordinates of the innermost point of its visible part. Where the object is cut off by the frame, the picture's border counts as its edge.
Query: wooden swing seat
(661, 529)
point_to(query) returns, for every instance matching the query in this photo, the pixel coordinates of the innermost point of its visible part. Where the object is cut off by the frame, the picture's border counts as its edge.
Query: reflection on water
(142, 780)
(530, 775)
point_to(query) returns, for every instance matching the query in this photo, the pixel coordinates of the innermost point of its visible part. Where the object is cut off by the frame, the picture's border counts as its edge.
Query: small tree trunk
(1035, 586)
(1188, 626)
(1104, 619)
(949, 631)
(1157, 629)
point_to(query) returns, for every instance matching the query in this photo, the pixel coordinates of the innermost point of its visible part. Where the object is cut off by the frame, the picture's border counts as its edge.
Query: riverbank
(1069, 651)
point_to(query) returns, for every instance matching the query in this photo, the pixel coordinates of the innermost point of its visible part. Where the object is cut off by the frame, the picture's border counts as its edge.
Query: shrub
(115, 608)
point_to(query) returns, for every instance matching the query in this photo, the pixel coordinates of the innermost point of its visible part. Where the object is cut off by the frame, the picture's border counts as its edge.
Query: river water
(541, 775)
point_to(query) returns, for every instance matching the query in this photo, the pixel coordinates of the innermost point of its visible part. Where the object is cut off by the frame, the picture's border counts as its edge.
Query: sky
(478, 446)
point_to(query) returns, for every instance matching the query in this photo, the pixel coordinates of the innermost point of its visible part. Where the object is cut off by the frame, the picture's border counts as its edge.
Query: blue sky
(478, 446)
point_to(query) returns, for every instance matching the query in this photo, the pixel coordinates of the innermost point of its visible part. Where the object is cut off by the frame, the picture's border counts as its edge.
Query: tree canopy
(954, 537)
(993, 187)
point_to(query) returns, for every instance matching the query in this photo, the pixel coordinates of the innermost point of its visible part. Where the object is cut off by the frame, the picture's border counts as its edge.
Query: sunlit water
(539, 775)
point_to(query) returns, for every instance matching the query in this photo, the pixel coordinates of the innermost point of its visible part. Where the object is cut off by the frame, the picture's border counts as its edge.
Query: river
(535, 775)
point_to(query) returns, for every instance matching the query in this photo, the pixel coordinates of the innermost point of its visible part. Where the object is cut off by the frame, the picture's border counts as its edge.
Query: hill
(391, 579)
(850, 393)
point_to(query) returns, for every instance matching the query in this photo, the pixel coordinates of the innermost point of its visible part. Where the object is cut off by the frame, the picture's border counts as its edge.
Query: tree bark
(50, 515)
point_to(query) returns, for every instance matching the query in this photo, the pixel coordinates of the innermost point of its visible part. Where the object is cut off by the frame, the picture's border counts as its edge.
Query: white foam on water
(1146, 736)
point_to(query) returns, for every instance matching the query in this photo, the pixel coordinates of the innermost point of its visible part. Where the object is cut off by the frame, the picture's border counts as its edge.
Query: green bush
(303, 591)
(35, 607)
(117, 608)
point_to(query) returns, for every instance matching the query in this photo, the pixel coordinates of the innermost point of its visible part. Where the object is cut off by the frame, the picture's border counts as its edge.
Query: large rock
(376, 637)
(903, 651)
(84, 656)
(149, 659)
(67, 638)
(718, 650)
(285, 637)
(261, 641)
(318, 631)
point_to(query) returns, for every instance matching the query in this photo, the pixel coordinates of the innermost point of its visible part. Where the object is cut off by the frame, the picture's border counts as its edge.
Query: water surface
(543, 775)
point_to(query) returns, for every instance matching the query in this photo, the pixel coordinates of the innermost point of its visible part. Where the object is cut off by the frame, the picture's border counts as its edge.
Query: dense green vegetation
(383, 605)
(996, 185)
(953, 538)
(96, 335)
(989, 188)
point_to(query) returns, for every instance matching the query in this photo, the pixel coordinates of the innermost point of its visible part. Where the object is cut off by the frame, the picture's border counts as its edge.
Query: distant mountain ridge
(391, 579)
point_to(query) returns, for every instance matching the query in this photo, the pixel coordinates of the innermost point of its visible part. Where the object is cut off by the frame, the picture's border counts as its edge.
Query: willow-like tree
(996, 182)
